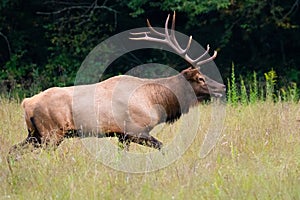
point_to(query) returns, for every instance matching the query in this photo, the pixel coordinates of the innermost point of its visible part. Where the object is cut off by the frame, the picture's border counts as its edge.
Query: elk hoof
(158, 145)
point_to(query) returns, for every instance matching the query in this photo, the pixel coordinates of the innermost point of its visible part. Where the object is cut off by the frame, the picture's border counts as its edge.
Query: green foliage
(271, 79)
(251, 91)
(42, 44)
(137, 5)
(291, 93)
(12, 67)
(229, 93)
(244, 96)
(191, 7)
(254, 89)
(244, 23)
(233, 88)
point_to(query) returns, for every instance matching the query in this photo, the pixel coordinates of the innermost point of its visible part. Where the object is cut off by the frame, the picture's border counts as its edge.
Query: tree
(43, 43)
(254, 34)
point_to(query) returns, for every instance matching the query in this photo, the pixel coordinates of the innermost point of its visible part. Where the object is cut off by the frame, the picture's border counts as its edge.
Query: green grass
(251, 90)
(257, 157)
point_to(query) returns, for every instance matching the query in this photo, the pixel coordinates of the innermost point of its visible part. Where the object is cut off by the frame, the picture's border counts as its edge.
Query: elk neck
(174, 94)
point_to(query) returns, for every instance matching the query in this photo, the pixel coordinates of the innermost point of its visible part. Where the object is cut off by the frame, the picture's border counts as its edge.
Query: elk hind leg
(33, 140)
(17, 150)
(20, 148)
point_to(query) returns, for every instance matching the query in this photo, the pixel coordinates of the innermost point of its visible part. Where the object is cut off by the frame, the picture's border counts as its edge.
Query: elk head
(202, 85)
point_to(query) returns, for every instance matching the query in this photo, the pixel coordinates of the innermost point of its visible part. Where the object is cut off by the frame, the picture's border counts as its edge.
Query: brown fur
(125, 106)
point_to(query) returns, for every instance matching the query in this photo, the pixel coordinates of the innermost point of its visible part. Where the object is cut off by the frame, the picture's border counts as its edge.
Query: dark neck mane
(173, 94)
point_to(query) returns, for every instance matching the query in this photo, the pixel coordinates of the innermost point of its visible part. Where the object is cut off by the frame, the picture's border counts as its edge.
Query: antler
(171, 40)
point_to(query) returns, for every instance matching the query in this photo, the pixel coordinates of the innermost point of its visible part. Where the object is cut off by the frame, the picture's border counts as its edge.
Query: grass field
(257, 157)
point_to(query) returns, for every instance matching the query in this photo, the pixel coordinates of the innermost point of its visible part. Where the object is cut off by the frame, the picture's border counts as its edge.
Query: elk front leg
(145, 139)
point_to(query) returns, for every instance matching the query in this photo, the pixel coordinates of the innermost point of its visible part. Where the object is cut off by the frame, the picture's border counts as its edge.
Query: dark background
(43, 43)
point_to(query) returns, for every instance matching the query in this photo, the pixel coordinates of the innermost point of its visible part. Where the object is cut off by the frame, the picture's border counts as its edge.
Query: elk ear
(187, 73)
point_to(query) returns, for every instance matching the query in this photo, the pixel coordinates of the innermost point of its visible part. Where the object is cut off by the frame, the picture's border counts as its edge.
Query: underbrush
(252, 89)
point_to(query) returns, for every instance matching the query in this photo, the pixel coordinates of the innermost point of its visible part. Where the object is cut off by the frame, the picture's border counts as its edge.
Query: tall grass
(256, 157)
(251, 91)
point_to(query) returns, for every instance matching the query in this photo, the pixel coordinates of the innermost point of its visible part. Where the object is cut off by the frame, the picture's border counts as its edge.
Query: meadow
(256, 157)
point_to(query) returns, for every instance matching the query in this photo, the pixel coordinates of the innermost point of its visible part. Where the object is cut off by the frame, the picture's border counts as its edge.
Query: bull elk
(123, 106)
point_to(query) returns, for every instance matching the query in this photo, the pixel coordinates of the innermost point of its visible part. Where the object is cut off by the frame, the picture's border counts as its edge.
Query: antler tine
(146, 37)
(183, 52)
(153, 30)
(173, 21)
(170, 39)
(207, 60)
(173, 38)
(200, 57)
(166, 29)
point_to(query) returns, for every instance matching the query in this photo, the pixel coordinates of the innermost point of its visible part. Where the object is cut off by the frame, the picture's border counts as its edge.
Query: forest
(43, 43)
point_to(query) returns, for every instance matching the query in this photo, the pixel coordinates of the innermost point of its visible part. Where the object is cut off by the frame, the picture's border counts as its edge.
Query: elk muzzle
(215, 88)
